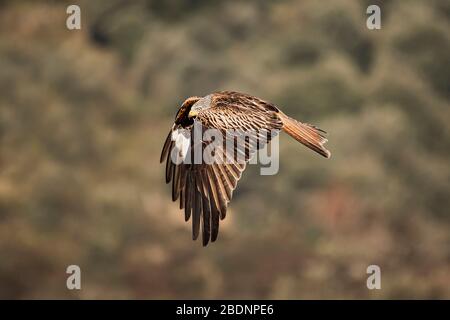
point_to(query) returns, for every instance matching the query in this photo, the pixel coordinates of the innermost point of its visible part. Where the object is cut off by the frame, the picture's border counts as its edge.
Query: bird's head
(183, 116)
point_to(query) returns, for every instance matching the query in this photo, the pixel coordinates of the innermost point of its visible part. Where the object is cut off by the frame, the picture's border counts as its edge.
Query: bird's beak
(192, 114)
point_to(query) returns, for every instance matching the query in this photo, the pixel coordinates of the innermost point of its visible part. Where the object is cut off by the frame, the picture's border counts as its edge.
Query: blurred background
(84, 114)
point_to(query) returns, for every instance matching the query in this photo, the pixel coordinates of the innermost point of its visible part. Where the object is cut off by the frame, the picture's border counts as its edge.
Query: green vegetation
(83, 115)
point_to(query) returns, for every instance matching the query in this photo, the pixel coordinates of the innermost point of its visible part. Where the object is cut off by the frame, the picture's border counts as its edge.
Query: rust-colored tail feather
(306, 134)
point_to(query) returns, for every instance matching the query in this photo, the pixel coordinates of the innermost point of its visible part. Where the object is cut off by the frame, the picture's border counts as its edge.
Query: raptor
(205, 189)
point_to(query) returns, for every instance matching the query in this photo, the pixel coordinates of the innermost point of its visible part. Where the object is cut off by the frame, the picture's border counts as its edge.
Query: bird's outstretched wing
(206, 188)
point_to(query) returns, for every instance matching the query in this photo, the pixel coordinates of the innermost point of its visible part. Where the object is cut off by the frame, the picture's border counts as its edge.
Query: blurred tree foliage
(83, 115)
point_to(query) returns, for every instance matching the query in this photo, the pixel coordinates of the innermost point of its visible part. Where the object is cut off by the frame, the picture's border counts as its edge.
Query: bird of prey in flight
(205, 189)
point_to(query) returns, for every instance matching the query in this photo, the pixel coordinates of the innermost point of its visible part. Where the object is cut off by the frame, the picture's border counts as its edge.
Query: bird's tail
(307, 134)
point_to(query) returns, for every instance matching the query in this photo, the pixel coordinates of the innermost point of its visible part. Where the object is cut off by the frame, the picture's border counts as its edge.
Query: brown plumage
(205, 189)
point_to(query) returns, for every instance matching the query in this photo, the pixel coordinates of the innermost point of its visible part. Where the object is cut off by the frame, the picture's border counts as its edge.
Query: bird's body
(206, 188)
